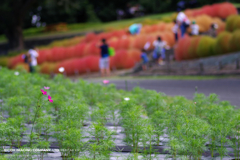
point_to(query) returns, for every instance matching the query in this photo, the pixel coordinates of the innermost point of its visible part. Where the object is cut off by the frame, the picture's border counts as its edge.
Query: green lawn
(85, 27)
(236, 5)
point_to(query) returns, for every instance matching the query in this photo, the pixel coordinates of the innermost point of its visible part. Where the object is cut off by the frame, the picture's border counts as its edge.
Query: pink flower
(46, 87)
(50, 99)
(105, 81)
(43, 92)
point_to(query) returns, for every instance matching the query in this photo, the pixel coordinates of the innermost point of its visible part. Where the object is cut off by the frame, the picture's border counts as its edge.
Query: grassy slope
(85, 27)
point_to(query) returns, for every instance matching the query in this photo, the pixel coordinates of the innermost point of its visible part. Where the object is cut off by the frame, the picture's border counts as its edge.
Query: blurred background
(67, 30)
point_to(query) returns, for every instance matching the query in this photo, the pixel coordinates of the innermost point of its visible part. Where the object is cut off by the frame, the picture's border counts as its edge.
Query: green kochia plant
(193, 132)
(235, 134)
(69, 138)
(18, 129)
(147, 140)
(100, 114)
(158, 120)
(77, 113)
(132, 123)
(44, 124)
(101, 148)
(221, 127)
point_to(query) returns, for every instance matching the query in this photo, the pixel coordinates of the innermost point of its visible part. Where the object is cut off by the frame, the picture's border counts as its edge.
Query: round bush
(79, 50)
(43, 55)
(70, 52)
(206, 46)
(226, 9)
(236, 23)
(135, 54)
(179, 50)
(230, 22)
(90, 36)
(124, 42)
(192, 50)
(208, 10)
(91, 63)
(222, 45)
(204, 23)
(114, 42)
(234, 43)
(48, 68)
(15, 60)
(139, 41)
(4, 61)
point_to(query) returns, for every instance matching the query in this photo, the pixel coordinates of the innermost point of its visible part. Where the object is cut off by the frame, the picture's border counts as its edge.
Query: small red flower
(43, 92)
(50, 99)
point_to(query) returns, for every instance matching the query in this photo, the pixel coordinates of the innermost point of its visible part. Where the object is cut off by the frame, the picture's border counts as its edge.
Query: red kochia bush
(57, 54)
(180, 49)
(92, 63)
(119, 59)
(90, 36)
(15, 60)
(91, 49)
(79, 50)
(222, 10)
(135, 54)
(226, 9)
(70, 52)
(124, 43)
(43, 55)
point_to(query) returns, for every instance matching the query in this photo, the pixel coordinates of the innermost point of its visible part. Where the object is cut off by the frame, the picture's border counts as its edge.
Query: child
(175, 30)
(144, 59)
(194, 28)
(159, 51)
(213, 30)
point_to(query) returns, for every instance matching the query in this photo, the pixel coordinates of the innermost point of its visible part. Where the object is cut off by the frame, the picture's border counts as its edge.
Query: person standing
(104, 60)
(33, 54)
(135, 28)
(183, 22)
(159, 50)
(194, 29)
(175, 30)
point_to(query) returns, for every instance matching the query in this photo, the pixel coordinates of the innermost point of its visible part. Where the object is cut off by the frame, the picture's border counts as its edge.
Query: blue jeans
(157, 55)
(183, 29)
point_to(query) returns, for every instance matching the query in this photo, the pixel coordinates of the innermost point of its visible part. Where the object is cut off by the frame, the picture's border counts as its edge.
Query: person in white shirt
(33, 60)
(175, 30)
(159, 51)
(183, 22)
(194, 28)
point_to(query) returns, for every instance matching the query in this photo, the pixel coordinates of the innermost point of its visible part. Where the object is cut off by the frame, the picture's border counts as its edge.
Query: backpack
(111, 51)
(25, 58)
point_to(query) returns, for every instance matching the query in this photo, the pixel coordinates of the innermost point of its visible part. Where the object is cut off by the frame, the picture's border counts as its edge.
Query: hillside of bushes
(227, 41)
(80, 54)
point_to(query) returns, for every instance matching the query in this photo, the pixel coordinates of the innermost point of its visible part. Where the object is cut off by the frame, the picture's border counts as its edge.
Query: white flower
(61, 69)
(126, 99)
(16, 73)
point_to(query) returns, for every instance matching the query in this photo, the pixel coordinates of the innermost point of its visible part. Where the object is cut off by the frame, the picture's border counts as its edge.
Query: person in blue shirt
(144, 58)
(104, 60)
(135, 29)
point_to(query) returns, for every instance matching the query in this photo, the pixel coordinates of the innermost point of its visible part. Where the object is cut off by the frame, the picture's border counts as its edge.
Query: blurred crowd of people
(130, 12)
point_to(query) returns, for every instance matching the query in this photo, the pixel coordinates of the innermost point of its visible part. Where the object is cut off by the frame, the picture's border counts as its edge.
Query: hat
(193, 22)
